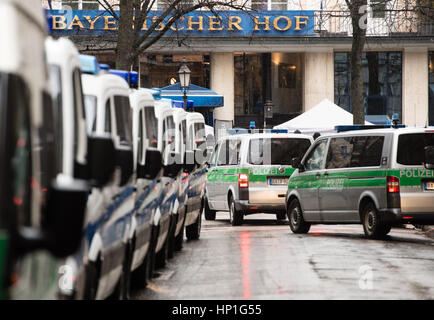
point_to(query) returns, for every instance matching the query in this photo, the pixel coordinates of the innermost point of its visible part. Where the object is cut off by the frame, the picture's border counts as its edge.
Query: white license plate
(277, 181)
(429, 185)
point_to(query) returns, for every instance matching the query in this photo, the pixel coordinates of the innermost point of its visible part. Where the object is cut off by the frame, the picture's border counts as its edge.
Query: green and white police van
(248, 173)
(377, 177)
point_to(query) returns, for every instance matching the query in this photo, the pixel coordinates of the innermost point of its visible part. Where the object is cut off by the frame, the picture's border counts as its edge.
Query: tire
(192, 231)
(92, 279)
(161, 256)
(209, 214)
(295, 217)
(150, 256)
(373, 227)
(122, 289)
(236, 217)
(171, 240)
(179, 239)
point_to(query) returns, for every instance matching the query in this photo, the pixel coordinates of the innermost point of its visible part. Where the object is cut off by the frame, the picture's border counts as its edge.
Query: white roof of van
(386, 130)
(98, 84)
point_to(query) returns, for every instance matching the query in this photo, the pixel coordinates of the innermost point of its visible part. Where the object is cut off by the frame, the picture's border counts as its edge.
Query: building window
(248, 84)
(269, 5)
(382, 83)
(431, 88)
(378, 8)
(81, 4)
(165, 4)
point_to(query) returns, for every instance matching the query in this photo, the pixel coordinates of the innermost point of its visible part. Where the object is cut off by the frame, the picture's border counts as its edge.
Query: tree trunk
(359, 39)
(124, 59)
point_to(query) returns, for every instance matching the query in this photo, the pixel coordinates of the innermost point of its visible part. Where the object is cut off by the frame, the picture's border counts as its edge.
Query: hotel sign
(198, 23)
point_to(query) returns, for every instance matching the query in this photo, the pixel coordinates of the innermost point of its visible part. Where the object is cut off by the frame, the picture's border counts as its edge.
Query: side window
(315, 159)
(234, 152)
(140, 139)
(123, 119)
(214, 155)
(339, 153)
(171, 132)
(108, 117)
(78, 104)
(184, 133)
(90, 108)
(367, 151)
(223, 154)
(151, 124)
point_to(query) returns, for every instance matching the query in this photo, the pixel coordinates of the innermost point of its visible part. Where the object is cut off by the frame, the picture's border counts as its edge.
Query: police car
(248, 173)
(377, 177)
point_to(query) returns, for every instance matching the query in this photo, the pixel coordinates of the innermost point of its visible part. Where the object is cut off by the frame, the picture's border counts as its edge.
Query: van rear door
(416, 182)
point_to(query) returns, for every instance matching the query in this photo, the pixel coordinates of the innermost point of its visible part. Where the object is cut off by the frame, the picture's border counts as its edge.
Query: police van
(377, 177)
(101, 262)
(248, 173)
(196, 156)
(148, 165)
(42, 203)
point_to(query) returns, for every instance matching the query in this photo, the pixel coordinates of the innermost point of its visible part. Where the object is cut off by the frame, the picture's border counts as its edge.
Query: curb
(428, 231)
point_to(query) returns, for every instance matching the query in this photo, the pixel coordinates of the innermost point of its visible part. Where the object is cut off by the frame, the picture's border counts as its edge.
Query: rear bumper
(250, 208)
(396, 216)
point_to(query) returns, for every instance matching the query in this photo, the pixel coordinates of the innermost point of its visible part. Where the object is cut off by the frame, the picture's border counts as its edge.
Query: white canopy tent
(322, 118)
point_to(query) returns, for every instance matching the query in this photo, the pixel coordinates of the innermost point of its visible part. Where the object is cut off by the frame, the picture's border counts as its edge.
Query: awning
(201, 97)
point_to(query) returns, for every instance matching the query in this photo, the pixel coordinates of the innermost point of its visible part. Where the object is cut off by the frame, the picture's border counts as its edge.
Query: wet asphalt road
(265, 260)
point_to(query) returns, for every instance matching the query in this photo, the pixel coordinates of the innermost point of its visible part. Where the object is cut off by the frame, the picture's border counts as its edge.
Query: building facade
(285, 56)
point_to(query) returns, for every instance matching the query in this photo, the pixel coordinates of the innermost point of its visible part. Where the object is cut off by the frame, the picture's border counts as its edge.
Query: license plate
(429, 185)
(278, 181)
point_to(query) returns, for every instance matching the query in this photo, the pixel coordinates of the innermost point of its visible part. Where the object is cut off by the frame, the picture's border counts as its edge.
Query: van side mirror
(152, 167)
(124, 159)
(296, 164)
(189, 161)
(199, 156)
(62, 230)
(429, 157)
(175, 165)
(100, 160)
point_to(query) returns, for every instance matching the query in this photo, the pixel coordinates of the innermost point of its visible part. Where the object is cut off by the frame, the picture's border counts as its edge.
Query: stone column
(318, 78)
(415, 87)
(222, 81)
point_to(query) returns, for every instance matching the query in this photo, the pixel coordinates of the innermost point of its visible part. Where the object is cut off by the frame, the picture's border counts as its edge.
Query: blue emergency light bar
(242, 131)
(121, 73)
(156, 93)
(105, 67)
(134, 78)
(89, 64)
(366, 127)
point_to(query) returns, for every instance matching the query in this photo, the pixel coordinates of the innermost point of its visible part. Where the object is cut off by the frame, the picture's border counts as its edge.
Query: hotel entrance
(263, 79)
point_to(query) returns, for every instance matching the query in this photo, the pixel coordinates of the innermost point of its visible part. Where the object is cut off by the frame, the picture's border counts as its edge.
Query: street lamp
(184, 79)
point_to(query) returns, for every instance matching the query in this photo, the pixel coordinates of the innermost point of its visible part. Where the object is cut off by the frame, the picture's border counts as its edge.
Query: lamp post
(184, 79)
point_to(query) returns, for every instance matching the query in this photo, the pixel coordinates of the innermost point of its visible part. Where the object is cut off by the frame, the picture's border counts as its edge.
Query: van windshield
(90, 110)
(411, 148)
(276, 151)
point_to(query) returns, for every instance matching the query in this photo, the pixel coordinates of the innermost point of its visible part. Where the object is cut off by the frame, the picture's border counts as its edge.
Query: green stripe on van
(3, 246)
(365, 178)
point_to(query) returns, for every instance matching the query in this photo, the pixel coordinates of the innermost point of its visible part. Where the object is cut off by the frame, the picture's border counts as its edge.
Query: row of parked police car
(98, 181)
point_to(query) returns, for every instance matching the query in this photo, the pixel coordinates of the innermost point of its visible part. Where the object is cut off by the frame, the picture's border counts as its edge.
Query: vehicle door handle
(326, 174)
(317, 176)
(116, 197)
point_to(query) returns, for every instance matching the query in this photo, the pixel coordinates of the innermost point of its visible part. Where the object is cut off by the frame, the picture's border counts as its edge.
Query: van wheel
(193, 231)
(209, 214)
(122, 290)
(161, 256)
(92, 279)
(236, 217)
(296, 220)
(180, 237)
(373, 227)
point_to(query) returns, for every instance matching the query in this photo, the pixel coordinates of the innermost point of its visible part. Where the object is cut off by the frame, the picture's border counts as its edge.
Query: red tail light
(243, 180)
(392, 184)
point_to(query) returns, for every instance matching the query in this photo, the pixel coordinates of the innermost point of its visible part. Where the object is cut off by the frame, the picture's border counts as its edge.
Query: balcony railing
(384, 23)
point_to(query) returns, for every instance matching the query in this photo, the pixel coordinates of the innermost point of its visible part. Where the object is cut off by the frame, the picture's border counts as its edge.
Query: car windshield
(151, 127)
(90, 110)
(411, 148)
(276, 151)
